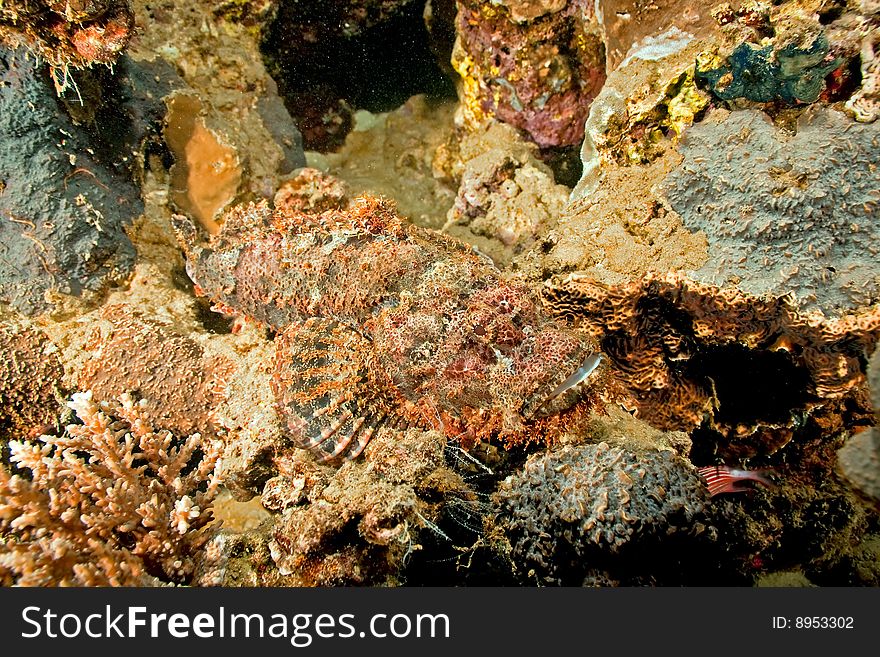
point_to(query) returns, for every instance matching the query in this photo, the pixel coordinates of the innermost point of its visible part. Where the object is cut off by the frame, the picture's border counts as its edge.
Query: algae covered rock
(68, 34)
(63, 203)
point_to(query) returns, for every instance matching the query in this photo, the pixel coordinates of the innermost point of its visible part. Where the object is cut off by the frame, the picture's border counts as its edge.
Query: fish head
(536, 366)
(556, 367)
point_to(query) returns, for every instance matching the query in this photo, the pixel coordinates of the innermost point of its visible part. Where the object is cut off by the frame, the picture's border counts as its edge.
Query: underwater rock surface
(784, 214)
(63, 206)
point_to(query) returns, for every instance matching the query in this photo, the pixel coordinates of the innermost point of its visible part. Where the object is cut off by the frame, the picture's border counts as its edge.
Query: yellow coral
(469, 90)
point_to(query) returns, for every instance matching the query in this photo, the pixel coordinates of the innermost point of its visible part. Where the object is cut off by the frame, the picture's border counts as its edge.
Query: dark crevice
(375, 68)
(750, 386)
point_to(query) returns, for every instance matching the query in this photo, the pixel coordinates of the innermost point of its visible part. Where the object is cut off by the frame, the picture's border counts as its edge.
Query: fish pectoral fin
(324, 390)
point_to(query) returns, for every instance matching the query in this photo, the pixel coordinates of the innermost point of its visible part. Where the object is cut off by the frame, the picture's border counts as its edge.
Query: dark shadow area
(326, 70)
(750, 386)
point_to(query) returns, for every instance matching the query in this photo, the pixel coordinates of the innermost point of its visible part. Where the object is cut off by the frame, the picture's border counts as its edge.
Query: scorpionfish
(380, 323)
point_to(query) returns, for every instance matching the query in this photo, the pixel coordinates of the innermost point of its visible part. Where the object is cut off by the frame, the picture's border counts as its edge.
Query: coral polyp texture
(569, 511)
(178, 385)
(784, 213)
(73, 33)
(755, 370)
(109, 502)
(382, 323)
(30, 381)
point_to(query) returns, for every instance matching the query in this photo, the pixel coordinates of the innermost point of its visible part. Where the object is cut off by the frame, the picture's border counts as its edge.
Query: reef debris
(382, 504)
(109, 502)
(384, 323)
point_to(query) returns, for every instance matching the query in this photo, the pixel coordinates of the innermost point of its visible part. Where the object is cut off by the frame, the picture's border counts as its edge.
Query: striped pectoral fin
(324, 390)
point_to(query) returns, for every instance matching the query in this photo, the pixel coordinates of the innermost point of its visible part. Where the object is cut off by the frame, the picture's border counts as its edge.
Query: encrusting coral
(109, 502)
(533, 65)
(30, 380)
(754, 369)
(784, 213)
(177, 384)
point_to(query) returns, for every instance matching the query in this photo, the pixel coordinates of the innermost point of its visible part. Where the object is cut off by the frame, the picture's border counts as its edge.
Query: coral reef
(64, 201)
(792, 74)
(783, 215)
(505, 192)
(441, 340)
(534, 65)
(569, 512)
(68, 34)
(177, 385)
(810, 521)
(528, 396)
(30, 381)
(782, 55)
(645, 105)
(755, 371)
(359, 524)
(649, 27)
(110, 502)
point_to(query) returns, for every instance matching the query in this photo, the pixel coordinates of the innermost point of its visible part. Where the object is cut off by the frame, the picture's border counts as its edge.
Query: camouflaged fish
(384, 324)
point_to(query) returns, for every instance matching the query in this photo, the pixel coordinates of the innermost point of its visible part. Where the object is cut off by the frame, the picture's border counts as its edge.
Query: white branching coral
(110, 502)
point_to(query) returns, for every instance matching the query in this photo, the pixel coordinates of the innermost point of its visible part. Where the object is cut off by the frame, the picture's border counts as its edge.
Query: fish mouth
(566, 394)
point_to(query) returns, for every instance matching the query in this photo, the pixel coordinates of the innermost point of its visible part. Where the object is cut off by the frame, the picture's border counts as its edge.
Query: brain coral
(568, 510)
(784, 214)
